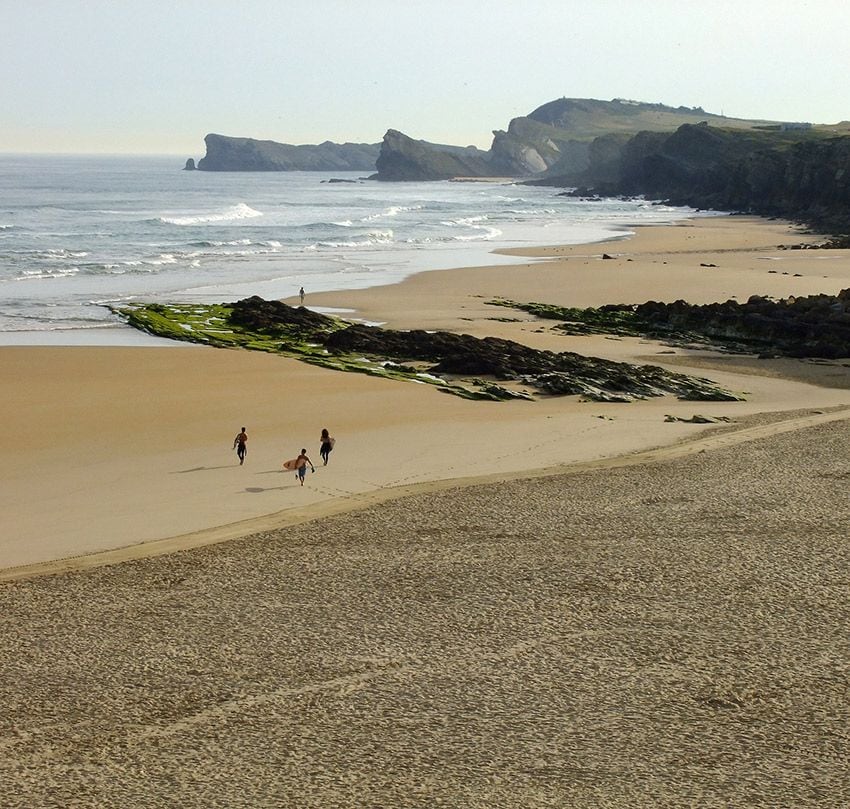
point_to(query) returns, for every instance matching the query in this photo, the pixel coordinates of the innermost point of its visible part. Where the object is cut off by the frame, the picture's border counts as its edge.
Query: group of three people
(240, 444)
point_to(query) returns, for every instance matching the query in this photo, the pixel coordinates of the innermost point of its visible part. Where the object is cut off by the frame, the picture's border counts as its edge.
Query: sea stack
(190, 164)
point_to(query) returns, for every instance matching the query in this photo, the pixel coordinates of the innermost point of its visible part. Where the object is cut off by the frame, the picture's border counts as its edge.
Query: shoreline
(166, 460)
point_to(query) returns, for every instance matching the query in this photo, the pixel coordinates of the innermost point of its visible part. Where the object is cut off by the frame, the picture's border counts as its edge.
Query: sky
(155, 76)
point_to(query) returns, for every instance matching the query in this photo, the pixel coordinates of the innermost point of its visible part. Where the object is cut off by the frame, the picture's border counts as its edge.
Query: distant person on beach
(301, 295)
(301, 465)
(327, 445)
(240, 444)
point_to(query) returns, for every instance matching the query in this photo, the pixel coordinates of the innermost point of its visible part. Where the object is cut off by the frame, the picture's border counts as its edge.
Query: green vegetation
(617, 321)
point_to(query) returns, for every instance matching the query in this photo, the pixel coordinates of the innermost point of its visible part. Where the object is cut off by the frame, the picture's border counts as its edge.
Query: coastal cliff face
(403, 158)
(226, 153)
(555, 139)
(801, 175)
(620, 146)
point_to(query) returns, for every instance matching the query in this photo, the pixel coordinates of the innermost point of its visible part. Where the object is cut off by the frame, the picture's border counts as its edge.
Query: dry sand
(660, 629)
(664, 635)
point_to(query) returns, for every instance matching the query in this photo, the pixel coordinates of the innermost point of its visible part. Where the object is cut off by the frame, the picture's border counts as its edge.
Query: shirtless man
(301, 465)
(240, 444)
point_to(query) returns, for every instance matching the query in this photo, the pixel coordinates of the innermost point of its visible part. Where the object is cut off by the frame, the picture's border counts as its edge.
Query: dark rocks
(699, 419)
(273, 317)
(190, 165)
(812, 326)
(562, 373)
(461, 355)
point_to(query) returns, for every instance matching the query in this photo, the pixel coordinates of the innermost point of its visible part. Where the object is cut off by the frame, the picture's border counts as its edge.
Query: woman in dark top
(327, 446)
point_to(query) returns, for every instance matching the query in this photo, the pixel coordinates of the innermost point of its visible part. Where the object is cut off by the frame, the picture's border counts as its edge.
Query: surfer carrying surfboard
(300, 465)
(327, 445)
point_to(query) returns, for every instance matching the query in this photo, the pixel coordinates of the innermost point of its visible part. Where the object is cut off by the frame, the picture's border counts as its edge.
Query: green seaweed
(259, 327)
(581, 321)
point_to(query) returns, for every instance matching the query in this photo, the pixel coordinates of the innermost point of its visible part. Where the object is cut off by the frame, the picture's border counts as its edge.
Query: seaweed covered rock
(564, 373)
(272, 317)
(810, 326)
(815, 326)
(453, 362)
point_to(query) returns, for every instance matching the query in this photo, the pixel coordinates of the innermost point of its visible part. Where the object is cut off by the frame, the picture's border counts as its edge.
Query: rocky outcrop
(458, 364)
(403, 158)
(226, 153)
(561, 374)
(811, 326)
(815, 326)
(453, 354)
(190, 165)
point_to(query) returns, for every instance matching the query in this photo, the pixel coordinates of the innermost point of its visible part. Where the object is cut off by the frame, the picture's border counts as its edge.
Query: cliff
(802, 175)
(621, 145)
(555, 139)
(403, 158)
(246, 154)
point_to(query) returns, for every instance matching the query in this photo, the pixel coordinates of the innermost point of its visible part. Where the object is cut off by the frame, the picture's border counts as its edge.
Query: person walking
(301, 295)
(327, 445)
(301, 465)
(240, 444)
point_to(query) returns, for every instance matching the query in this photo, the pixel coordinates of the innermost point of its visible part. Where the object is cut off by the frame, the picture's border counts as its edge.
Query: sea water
(81, 233)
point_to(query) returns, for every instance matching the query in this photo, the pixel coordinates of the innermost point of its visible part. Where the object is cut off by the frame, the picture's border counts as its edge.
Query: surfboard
(291, 466)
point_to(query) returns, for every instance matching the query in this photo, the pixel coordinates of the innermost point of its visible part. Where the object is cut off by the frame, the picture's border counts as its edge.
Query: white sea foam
(165, 258)
(41, 275)
(61, 252)
(393, 210)
(481, 232)
(373, 237)
(239, 211)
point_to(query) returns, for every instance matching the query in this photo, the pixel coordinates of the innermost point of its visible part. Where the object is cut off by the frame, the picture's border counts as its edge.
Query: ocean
(78, 233)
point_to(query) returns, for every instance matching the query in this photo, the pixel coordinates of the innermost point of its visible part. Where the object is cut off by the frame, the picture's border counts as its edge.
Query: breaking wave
(239, 211)
(393, 210)
(371, 238)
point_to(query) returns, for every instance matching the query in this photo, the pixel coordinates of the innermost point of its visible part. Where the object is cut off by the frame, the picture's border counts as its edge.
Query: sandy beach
(557, 603)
